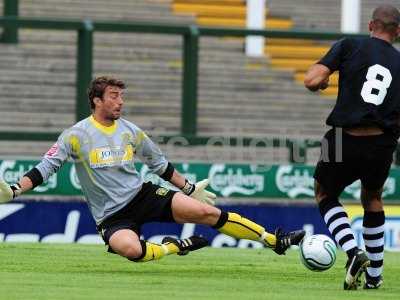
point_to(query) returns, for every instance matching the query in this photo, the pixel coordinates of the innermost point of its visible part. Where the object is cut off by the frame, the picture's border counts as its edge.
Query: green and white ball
(318, 252)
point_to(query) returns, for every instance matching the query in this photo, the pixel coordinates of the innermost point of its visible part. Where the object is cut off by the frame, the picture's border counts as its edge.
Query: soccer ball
(318, 252)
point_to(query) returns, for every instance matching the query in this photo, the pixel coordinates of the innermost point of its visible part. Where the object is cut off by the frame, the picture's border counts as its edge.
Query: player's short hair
(98, 86)
(386, 17)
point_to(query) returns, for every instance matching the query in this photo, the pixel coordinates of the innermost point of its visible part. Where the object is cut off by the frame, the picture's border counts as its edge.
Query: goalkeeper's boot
(186, 245)
(285, 240)
(372, 283)
(355, 266)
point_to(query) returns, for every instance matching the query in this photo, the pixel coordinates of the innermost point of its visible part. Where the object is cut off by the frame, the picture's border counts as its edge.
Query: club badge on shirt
(162, 191)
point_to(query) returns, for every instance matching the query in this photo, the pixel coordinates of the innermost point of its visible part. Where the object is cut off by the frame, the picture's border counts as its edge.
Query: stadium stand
(238, 96)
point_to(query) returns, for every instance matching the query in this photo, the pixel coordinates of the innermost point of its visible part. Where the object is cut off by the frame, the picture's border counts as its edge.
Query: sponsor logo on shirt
(111, 156)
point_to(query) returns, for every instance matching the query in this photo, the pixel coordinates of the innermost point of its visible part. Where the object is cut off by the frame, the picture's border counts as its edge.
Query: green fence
(190, 35)
(10, 34)
(243, 181)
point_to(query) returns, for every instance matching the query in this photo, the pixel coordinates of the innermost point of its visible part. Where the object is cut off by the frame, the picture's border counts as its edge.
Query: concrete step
(138, 40)
(243, 121)
(123, 10)
(45, 119)
(135, 68)
(132, 102)
(205, 98)
(151, 84)
(242, 87)
(36, 105)
(235, 100)
(145, 79)
(272, 132)
(144, 71)
(172, 58)
(223, 114)
(217, 88)
(23, 149)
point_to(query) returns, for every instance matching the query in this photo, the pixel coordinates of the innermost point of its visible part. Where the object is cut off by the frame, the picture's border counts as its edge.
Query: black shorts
(346, 158)
(151, 204)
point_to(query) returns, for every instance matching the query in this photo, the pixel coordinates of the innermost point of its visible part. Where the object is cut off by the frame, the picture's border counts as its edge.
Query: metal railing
(10, 34)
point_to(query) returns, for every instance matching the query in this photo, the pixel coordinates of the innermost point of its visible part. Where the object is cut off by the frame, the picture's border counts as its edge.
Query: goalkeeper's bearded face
(110, 106)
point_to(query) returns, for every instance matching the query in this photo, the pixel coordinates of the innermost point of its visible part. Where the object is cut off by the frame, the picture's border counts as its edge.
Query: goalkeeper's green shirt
(104, 160)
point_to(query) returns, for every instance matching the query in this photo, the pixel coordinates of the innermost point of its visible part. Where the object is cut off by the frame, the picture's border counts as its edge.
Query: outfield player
(365, 121)
(103, 147)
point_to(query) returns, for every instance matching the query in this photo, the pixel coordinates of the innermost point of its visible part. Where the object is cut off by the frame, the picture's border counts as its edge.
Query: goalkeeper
(103, 147)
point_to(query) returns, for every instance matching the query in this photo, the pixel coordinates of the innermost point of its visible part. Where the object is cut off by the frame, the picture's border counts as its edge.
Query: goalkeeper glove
(8, 192)
(198, 191)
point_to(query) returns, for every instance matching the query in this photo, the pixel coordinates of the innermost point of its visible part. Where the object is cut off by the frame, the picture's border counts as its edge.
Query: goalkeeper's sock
(152, 251)
(238, 227)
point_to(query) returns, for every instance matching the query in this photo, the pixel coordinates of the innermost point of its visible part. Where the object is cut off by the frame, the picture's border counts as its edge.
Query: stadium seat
(296, 51)
(284, 42)
(210, 10)
(223, 13)
(294, 64)
(272, 23)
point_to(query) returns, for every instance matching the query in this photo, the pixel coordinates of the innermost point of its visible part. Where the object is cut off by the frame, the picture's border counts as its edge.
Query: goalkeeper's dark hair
(98, 86)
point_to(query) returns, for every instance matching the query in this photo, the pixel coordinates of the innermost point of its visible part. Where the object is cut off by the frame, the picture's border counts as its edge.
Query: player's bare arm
(178, 180)
(195, 190)
(317, 77)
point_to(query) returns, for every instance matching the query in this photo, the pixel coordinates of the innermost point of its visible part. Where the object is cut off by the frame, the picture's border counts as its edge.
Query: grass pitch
(45, 271)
